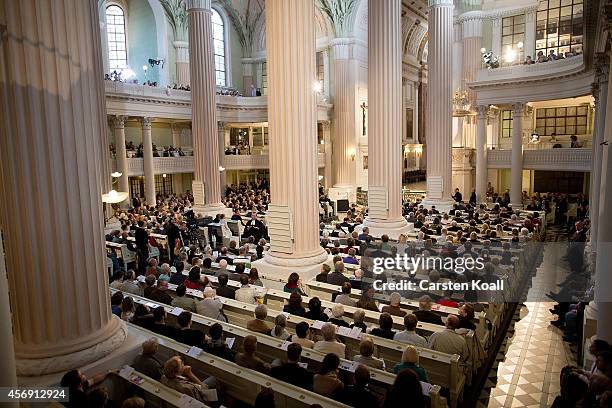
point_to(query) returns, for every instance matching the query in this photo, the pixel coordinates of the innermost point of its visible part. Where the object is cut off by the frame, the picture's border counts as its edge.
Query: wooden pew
(122, 252)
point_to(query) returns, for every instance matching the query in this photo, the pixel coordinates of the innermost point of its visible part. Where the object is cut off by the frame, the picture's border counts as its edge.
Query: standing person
(174, 234)
(142, 247)
(457, 196)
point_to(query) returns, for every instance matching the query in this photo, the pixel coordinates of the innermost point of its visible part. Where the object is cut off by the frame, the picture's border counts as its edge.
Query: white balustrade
(562, 159)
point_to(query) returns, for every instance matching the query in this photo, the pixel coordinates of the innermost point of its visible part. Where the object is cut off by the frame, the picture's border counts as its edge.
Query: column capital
(595, 89)
(326, 124)
(518, 108)
(220, 125)
(146, 122)
(482, 111)
(119, 121)
(602, 67)
(197, 5)
(440, 3)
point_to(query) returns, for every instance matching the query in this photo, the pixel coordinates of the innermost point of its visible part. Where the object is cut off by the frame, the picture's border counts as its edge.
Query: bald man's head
(452, 321)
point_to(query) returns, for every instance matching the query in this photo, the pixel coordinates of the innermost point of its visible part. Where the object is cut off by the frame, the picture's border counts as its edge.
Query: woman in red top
(193, 281)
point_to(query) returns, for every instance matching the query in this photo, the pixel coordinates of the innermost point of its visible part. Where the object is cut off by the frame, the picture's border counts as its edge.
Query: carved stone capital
(482, 111)
(119, 121)
(146, 122)
(518, 108)
(220, 126)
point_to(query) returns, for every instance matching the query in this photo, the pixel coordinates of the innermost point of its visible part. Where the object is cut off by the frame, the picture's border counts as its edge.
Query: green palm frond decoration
(177, 16)
(245, 22)
(339, 13)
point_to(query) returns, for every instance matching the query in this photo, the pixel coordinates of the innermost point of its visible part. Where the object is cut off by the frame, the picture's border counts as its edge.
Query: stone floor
(526, 371)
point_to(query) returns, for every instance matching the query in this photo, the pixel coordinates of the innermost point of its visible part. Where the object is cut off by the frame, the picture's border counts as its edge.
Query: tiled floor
(526, 373)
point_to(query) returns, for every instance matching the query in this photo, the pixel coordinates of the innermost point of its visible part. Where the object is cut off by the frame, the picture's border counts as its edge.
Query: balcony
(563, 159)
(252, 162)
(161, 165)
(533, 72)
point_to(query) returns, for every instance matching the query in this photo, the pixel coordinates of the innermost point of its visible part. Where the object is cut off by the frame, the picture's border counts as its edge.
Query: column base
(211, 210)
(517, 206)
(274, 269)
(342, 193)
(441, 205)
(29, 367)
(393, 228)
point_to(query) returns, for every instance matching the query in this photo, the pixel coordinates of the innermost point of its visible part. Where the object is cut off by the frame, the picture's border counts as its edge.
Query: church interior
(305, 203)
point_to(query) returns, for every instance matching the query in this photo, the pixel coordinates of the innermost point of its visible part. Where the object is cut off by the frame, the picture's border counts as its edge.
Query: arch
(161, 31)
(116, 36)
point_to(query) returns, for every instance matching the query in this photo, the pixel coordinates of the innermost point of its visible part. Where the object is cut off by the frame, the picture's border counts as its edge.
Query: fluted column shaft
(53, 125)
(292, 122)
(600, 93)
(327, 146)
(530, 32)
(222, 174)
(471, 28)
(147, 162)
(603, 277)
(385, 104)
(206, 185)
(481, 153)
(181, 49)
(8, 374)
(516, 161)
(121, 153)
(345, 102)
(176, 135)
(439, 102)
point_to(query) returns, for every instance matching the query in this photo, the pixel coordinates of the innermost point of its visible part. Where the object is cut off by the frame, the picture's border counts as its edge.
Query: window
(506, 117)
(115, 37)
(264, 78)
(163, 184)
(559, 26)
(513, 33)
(218, 29)
(137, 186)
(320, 69)
(570, 120)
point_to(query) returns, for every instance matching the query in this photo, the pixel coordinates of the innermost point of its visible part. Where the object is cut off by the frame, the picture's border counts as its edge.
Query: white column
(51, 171)
(122, 164)
(181, 49)
(600, 93)
(439, 104)
(327, 147)
(345, 105)
(603, 277)
(516, 172)
(293, 133)
(247, 75)
(176, 129)
(206, 184)
(530, 31)
(496, 36)
(385, 119)
(481, 153)
(222, 174)
(326, 74)
(147, 162)
(471, 28)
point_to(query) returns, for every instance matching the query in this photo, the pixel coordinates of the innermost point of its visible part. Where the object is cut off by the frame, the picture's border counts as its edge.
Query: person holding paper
(182, 301)
(248, 357)
(179, 376)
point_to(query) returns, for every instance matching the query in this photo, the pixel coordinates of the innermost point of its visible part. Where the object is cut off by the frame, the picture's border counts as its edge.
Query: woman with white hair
(210, 306)
(337, 313)
(410, 361)
(393, 308)
(525, 235)
(329, 344)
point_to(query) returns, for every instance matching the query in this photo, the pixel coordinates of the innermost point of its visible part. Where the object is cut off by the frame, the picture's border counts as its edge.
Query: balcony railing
(522, 73)
(562, 159)
(161, 165)
(245, 162)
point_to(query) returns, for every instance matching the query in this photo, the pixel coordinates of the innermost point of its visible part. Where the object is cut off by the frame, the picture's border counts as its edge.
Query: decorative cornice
(440, 3)
(471, 15)
(507, 12)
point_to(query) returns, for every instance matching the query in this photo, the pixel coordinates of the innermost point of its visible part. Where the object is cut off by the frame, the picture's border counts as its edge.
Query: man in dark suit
(223, 290)
(173, 233)
(186, 334)
(457, 196)
(291, 371)
(142, 247)
(424, 314)
(136, 203)
(254, 227)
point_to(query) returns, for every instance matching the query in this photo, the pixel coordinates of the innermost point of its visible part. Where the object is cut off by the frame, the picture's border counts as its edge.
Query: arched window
(115, 35)
(218, 28)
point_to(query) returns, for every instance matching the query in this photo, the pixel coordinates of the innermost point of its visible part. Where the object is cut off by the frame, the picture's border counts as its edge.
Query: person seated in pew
(210, 306)
(359, 395)
(259, 325)
(159, 323)
(166, 272)
(223, 289)
(179, 376)
(344, 298)
(254, 277)
(127, 308)
(130, 284)
(393, 308)
(246, 293)
(365, 235)
(337, 316)
(160, 294)
(406, 387)
(365, 356)
(385, 323)
(410, 361)
(194, 280)
(248, 357)
(367, 301)
(322, 276)
(279, 331)
(338, 232)
(466, 317)
(294, 305)
(290, 371)
(142, 317)
(448, 341)
(216, 344)
(79, 386)
(233, 248)
(116, 300)
(314, 310)
(424, 314)
(294, 285)
(146, 362)
(302, 335)
(409, 335)
(326, 382)
(133, 402)
(358, 318)
(182, 301)
(153, 268)
(355, 280)
(117, 280)
(254, 227)
(149, 286)
(337, 276)
(329, 344)
(187, 335)
(223, 255)
(352, 257)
